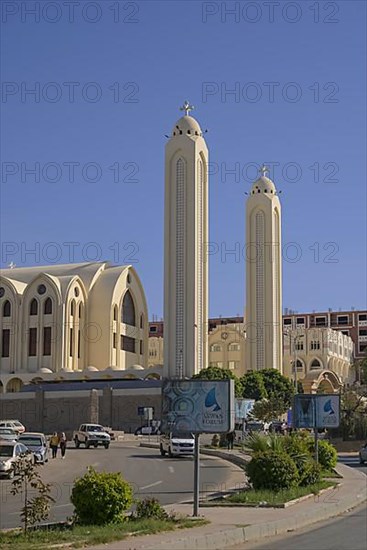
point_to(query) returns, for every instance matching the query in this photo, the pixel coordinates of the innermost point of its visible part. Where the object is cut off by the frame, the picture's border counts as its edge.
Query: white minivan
(177, 444)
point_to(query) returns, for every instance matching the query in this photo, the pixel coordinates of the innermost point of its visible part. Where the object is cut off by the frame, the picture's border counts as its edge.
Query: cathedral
(90, 320)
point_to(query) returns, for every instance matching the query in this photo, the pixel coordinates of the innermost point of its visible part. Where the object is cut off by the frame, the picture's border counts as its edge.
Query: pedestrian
(62, 440)
(230, 440)
(54, 443)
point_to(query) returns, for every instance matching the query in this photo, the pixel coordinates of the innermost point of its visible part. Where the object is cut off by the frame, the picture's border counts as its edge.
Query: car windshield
(95, 428)
(16, 423)
(31, 441)
(182, 435)
(6, 450)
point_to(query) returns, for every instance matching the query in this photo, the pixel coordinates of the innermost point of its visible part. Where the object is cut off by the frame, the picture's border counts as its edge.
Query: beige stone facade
(318, 351)
(185, 260)
(76, 318)
(263, 277)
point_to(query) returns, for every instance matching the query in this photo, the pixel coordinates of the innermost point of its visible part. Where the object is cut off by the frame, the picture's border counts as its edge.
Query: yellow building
(63, 320)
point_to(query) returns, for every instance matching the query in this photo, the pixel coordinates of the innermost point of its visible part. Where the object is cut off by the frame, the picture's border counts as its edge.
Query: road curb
(239, 535)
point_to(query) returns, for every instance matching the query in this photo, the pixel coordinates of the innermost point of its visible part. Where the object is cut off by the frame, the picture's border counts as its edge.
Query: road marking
(151, 485)
(171, 469)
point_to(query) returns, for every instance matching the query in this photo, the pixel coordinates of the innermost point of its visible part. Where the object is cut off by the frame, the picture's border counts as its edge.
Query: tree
(36, 508)
(217, 373)
(253, 386)
(353, 410)
(278, 386)
(268, 409)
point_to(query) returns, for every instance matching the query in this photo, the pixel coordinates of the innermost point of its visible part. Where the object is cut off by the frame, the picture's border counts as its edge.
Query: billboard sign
(197, 406)
(316, 411)
(242, 408)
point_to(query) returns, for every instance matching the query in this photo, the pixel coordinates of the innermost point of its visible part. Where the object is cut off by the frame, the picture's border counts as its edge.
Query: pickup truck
(91, 435)
(177, 444)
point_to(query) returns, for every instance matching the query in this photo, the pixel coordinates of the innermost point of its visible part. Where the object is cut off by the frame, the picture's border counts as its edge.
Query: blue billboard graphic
(197, 406)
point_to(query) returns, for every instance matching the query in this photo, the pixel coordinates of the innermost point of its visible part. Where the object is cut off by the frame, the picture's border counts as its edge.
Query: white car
(177, 444)
(9, 453)
(13, 424)
(37, 444)
(363, 454)
(8, 434)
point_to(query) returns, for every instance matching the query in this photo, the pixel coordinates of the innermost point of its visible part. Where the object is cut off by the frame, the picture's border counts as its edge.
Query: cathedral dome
(263, 185)
(187, 125)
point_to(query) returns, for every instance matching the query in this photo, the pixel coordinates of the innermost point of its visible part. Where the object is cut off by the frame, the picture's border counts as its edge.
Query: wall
(65, 411)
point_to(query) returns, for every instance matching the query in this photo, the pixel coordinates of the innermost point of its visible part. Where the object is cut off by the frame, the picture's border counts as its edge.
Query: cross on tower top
(187, 107)
(264, 170)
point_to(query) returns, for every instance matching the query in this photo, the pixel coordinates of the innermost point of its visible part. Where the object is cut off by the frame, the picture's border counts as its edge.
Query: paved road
(169, 480)
(348, 532)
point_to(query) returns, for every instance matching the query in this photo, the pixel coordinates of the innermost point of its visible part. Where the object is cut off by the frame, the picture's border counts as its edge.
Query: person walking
(54, 443)
(230, 440)
(62, 440)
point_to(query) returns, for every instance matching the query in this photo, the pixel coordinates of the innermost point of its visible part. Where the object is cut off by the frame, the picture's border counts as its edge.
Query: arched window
(33, 309)
(141, 321)
(80, 312)
(128, 310)
(72, 308)
(115, 313)
(47, 310)
(7, 309)
(315, 364)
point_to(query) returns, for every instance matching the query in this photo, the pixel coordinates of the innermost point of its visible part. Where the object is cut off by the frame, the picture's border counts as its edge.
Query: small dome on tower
(263, 184)
(187, 125)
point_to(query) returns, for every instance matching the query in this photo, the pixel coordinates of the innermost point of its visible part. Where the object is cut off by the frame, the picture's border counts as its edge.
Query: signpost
(316, 411)
(197, 406)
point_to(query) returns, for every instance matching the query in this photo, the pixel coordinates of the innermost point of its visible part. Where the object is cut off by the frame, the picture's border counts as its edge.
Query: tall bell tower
(263, 277)
(185, 249)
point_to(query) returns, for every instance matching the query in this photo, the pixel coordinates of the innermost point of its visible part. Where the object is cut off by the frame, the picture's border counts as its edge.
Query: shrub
(296, 445)
(309, 472)
(328, 455)
(272, 470)
(101, 497)
(150, 508)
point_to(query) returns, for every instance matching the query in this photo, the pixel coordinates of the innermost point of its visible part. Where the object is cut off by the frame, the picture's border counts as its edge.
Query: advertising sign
(242, 407)
(197, 406)
(328, 411)
(316, 411)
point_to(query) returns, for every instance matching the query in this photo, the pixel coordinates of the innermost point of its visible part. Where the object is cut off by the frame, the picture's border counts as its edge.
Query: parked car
(35, 442)
(363, 454)
(148, 430)
(177, 444)
(9, 453)
(91, 435)
(13, 424)
(8, 434)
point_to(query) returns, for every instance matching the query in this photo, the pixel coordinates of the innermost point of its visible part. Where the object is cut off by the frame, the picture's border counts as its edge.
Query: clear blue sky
(310, 120)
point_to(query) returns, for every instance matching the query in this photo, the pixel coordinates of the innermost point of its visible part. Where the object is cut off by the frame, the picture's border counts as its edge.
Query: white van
(177, 444)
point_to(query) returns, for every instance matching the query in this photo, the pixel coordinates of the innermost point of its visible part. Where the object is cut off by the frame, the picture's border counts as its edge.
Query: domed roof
(91, 369)
(136, 367)
(45, 370)
(263, 185)
(187, 125)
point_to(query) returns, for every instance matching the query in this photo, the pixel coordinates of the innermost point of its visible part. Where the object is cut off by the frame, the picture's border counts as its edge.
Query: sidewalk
(232, 526)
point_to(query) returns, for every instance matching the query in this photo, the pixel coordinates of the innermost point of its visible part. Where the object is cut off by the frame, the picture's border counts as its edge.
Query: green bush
(149, 508)
(309, 472)
(296, 445)
(328, 455)
(272, 470)
(101, 497)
